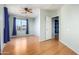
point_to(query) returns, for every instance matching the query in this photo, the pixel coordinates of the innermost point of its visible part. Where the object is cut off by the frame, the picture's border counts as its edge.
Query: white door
(48, 28)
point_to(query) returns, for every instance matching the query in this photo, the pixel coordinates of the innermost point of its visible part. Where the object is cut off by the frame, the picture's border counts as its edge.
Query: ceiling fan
(26, 10)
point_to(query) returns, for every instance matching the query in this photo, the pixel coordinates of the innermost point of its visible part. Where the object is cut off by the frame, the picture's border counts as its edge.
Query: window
(20, 24)
(23, 24)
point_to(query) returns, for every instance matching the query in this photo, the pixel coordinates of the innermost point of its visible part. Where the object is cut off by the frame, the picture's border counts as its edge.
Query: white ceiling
(17, 8)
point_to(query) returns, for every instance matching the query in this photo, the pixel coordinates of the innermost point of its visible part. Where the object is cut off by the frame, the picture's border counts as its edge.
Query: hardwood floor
(31, 46)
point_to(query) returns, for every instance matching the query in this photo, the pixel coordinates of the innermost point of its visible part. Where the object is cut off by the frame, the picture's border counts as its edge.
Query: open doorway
(55, 24)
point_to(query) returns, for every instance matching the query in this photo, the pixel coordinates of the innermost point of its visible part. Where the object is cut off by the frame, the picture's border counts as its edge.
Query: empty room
(39, 29)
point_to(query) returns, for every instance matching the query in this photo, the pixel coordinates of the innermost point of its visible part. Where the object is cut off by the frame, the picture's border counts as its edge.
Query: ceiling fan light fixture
(28, 10)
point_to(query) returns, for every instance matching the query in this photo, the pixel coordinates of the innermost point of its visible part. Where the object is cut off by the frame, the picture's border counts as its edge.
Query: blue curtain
(6, 25)
(14, 26)
(27, 27)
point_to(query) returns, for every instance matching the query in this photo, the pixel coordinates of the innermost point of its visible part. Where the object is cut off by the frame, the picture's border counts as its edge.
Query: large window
(24, 24)
(21, 24)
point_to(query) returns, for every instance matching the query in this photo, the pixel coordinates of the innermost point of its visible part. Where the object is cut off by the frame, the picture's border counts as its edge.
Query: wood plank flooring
(31, 46)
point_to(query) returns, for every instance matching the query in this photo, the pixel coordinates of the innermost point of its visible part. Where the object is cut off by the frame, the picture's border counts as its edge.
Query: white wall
(43, 14)
(31, 26)
(1, 26)
(37, 24)
(69, 26)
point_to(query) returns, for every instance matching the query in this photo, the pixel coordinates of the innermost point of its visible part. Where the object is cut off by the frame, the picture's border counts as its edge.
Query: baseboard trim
(69, 47)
